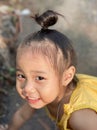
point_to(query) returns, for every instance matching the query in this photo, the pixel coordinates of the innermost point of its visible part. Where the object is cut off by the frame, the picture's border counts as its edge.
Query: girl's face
(36, 80)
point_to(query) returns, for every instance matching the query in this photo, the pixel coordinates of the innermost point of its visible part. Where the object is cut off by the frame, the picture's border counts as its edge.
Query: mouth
(32, 100)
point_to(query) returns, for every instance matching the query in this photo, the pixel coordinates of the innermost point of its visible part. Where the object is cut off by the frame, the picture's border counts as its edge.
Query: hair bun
(47, 19)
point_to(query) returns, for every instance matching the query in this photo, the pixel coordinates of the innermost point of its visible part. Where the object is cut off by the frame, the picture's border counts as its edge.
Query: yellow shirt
(84, 96)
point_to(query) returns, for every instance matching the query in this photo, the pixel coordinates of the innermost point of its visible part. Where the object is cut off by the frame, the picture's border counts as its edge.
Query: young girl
(46, 77)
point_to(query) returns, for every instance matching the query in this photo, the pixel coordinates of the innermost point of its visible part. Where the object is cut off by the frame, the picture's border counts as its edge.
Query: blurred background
(80, 25)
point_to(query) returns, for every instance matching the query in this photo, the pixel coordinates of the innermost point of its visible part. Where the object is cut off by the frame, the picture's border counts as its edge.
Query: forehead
(43, 48)
(27, 56)
(29, 52)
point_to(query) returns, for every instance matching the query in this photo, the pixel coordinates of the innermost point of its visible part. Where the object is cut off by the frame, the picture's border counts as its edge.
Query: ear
(68, 75)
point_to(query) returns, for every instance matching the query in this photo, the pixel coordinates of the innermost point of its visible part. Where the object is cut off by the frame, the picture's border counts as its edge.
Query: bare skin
(21, 116)
(85, 119)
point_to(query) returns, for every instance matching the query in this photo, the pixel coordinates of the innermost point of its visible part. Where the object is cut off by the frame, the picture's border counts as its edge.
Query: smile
(33, 100)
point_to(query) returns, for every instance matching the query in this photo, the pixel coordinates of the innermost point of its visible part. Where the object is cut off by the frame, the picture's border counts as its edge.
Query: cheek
(49, 93)
(19, 90)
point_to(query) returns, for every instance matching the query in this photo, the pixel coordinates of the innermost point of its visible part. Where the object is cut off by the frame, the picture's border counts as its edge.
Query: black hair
(52, 43)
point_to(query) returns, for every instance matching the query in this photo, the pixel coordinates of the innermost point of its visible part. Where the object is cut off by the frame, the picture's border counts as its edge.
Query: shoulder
(85, 119)
(87, 78)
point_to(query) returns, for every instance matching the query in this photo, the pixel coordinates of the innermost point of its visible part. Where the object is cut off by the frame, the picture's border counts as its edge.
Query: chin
(36, 106)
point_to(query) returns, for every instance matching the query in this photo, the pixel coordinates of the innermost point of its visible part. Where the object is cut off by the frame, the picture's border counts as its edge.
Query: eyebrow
(37, 71)
(17, 69)
(33, 71)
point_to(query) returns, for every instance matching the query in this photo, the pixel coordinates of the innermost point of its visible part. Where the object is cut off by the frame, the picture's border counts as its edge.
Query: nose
(28, 89)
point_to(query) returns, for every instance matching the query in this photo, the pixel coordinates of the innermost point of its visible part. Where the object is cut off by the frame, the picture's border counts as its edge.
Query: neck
(56, 108)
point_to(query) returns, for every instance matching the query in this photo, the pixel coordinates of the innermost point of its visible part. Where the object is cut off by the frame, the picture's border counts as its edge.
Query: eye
(40, 78)
(21, 77)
